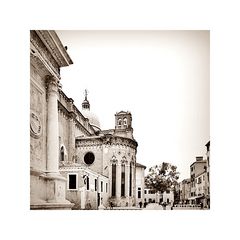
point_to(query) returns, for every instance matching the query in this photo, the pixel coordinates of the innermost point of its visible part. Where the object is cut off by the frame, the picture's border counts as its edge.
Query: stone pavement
(155, 206)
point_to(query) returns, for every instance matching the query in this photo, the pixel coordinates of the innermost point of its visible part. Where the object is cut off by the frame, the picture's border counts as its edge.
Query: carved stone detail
(114, 160)
(35, 125)
(40, 51)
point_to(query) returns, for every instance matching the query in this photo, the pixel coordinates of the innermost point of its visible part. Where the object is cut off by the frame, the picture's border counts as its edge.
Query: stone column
(52, 126)
(127, 179)
(134, 183)
(56, 183)
(110, 179)
(118, 182)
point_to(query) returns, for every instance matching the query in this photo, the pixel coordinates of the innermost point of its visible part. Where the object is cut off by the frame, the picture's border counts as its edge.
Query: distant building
(167, 197)
(207, 178)
(153, 196)
(185, 190)
(196, 170)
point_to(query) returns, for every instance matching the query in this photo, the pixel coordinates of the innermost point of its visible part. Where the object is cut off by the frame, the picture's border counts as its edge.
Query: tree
(162, 177)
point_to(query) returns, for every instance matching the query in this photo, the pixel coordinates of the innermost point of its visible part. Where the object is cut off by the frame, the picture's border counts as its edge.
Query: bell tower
(123, 124)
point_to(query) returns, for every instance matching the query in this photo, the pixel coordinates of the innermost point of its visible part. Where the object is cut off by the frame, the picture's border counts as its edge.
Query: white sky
(161, 77)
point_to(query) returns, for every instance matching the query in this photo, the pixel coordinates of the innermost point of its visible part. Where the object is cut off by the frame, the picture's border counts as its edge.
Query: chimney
(199, 158)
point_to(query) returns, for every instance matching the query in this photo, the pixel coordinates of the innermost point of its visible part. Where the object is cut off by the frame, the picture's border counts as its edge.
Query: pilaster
(118, 182)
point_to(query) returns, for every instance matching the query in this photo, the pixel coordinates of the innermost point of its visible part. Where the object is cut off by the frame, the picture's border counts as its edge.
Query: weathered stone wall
(63, 132)
(37, 121)
(97, 165)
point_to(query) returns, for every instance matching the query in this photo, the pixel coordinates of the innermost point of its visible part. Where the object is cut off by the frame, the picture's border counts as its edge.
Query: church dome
(93, 119)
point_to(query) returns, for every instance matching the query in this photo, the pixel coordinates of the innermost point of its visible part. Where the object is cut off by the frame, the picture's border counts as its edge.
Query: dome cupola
(93, 119)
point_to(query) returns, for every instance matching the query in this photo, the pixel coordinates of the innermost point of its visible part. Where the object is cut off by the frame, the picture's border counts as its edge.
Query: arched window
(123, 180)
(113, 180)
(119, 122)
(130, 180)
(62, 154)
(125, 121)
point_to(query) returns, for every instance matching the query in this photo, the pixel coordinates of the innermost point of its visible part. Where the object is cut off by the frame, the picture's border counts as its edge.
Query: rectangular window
(106, 187)
(139, 192)
(95, 184)
(114, 180)
(87, 182)
(123, 180)
(145, 191)
(72, 181)
(101, 186)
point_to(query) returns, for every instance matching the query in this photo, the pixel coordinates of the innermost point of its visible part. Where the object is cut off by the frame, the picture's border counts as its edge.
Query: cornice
(42, 57)
(55, 47)
(72, 115)
(110, 141)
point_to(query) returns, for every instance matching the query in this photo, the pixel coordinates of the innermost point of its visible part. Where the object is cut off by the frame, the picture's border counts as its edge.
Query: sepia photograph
(120, 119)
(115, 111)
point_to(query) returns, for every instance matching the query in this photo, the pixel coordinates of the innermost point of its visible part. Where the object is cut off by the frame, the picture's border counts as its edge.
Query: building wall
(47, 56)
(37, 141)
(150, 195)
(168, 197)
(140, 184)
(38, 108)
(82, 194)
(196, 169)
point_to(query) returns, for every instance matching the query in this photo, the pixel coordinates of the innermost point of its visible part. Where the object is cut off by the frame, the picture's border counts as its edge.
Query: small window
(95, 184)
(72, 181)
(119, 122)
(145, 191)
(101, 186)
(125, 121)
(139, 193)
(106, 187)
(87, 182)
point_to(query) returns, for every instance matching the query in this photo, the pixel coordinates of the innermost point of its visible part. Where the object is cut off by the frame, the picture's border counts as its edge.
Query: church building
(74, 164)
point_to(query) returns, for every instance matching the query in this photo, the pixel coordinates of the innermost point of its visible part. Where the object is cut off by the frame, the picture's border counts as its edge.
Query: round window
(89, 158)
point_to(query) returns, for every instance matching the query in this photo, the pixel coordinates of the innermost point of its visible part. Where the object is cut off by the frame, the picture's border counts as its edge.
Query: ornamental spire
(85, 103)
(86, 93)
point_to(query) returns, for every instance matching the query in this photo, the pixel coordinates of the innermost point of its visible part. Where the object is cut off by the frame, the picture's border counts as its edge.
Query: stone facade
(47, 56)
(185, 191)
(197, 171)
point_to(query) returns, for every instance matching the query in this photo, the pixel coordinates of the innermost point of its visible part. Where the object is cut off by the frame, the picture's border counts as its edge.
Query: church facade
(73, 163)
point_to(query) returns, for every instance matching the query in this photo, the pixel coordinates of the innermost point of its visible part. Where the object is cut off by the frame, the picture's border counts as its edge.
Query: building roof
(196, 162)
(140, 165)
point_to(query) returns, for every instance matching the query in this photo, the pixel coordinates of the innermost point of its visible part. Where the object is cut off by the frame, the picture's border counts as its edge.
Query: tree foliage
(162, 177)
